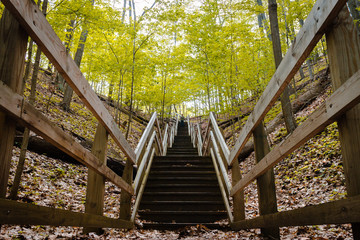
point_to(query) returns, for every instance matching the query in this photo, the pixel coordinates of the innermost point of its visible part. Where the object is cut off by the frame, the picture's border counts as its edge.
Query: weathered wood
(12, 212)
(337, 212)
(35, 23)
(238, 198)
(344, 55)
(159, 132)
(140, 148)
(141, 169)
(165, 140)
(322, 14)
(222, 187)
(12, 59)
(223, 170)
(125, 199)
(142, 187)
(266, 182)
(219, 136)
(343, 99)
(95, 188)
(199, 140)
(15, 105)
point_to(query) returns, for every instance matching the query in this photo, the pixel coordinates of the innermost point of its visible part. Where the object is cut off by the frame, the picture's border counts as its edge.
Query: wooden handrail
(343, 99)
(220, 162)
(322, 14)
(222, 188)
(145, 136)
(16, 106)
(141, 168)
(199, 140)
(34, 22)
(165, 140)
(219, 137)
(142, 187)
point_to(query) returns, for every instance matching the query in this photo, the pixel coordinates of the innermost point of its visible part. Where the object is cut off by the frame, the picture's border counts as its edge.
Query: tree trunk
(285, 100)
(65, 104)
(60, 81)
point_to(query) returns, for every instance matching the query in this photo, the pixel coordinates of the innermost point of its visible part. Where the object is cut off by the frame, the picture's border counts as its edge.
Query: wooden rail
(16, 106)
(345, 99)
(34, 22)
(322, 14)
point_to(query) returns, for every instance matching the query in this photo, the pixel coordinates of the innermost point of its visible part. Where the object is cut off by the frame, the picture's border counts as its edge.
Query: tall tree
(65, 103)
(275, 35)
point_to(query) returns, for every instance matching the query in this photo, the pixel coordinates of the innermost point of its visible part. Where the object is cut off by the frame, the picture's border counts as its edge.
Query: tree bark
(285, 100)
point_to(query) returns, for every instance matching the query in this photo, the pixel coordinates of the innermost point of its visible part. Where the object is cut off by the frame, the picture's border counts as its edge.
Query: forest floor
(311, 175)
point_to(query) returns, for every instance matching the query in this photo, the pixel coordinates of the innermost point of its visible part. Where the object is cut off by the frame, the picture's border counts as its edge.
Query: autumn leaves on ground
(311, 175)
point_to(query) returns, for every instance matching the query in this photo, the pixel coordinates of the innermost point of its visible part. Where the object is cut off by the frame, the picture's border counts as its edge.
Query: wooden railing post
(344, 55)
(125, 199)
(266, 182)
(96, 183)
(238, 198)
(12, 52)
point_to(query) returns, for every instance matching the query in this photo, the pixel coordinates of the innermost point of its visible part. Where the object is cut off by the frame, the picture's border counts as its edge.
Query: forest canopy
(203, 55)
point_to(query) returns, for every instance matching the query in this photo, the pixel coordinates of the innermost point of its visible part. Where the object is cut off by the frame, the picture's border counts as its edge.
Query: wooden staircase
(182, 189)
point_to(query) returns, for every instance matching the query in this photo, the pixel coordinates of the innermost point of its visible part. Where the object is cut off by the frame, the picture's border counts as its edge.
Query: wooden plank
(17, 213)
(199, 140)
(141, 169)
(322, 14)
(224, 148)
(343, 43)
(142, 187)
(238, 198)
(266, 182)
(159, 132)
(125, 198)
(220, 163)
(38, 123)
(165, 140)
(12, 59)
(95, 187)
(144, 137)
(222, 187)
(343, 99)
(337, 212)
(35, 23)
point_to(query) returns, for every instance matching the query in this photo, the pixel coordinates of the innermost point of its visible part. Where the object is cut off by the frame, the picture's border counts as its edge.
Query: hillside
(311, 175)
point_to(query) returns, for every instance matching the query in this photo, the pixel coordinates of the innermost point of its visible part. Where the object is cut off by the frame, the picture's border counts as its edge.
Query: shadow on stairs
(182, 189)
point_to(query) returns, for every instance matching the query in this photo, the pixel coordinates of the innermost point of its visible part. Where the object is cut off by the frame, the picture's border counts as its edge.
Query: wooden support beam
(17, 213)
(344, 55)
(12, 59)
(34, 22)
(337, 212)
(266, 182)
(238, 198)
(322, 14)
(343, 99)
(95, 188)
(15, 105)
(125, 199)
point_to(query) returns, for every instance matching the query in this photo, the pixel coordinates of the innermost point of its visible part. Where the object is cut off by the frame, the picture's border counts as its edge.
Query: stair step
(186, 173)
(182, 205)
(178, 226)
(183, 216)
(182, 167)
(182, 196)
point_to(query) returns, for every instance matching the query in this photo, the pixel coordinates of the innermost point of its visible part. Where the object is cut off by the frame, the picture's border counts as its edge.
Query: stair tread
(174, 226)
(183, 202)
(182, 212)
